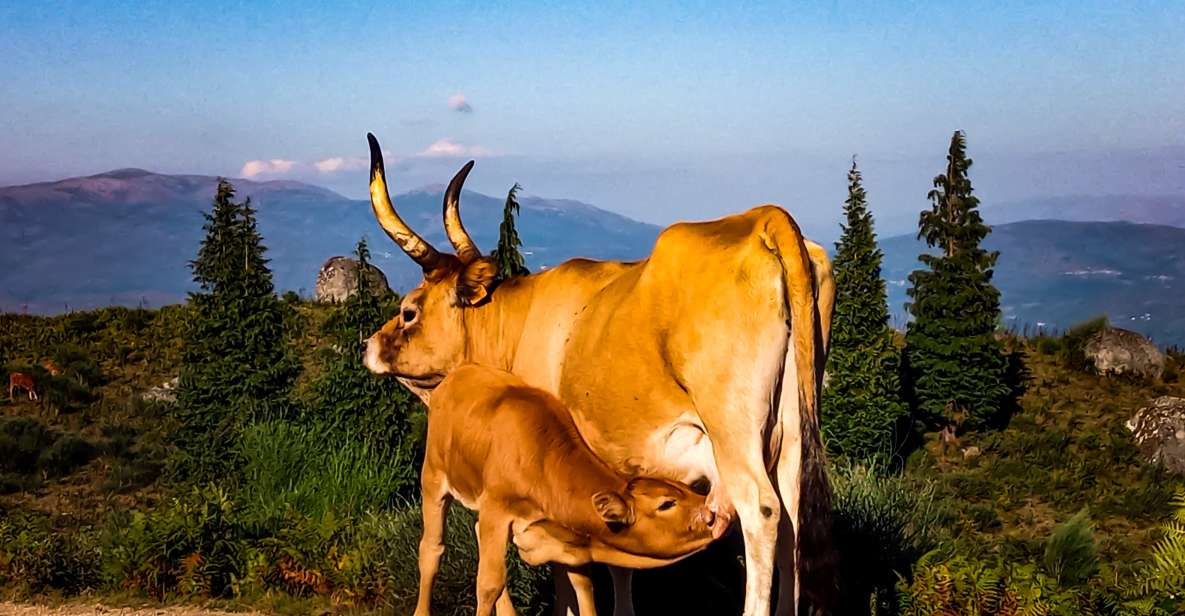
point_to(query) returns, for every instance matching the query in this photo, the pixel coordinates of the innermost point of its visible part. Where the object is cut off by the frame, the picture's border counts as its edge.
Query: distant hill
(127, 236)
(1156, 210)
(1058, 273)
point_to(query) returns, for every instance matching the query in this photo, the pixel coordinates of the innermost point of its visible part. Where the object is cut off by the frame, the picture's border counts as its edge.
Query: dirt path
(19, 609)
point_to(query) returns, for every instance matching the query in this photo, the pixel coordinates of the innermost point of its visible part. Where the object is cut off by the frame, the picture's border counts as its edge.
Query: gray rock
(165, 392)
(1119, 351)
(972, 452)
(1159, 431)
(338, 280)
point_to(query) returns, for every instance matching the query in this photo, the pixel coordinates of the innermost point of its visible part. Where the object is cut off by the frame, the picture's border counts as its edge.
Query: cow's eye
(666, 505)
(409, 315)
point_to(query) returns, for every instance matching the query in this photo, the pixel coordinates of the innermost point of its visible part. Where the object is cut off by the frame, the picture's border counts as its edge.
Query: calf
(20, 380)
(512, 453)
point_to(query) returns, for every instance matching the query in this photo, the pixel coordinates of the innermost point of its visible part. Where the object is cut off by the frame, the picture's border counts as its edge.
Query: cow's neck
(493, 330)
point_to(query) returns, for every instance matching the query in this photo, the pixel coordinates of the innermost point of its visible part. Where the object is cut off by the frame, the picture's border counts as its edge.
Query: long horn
(466, 249)
(380, 201)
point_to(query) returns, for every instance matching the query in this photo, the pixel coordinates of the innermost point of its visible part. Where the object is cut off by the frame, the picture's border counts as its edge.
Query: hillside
(1057, 273)
(127, 236)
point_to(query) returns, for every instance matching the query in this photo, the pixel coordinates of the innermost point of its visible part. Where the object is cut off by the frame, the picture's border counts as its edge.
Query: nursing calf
(512, 453)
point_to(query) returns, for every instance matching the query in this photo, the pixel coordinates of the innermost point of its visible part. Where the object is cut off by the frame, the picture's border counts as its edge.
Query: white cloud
(448, 147)
(341, 163)
(458, 103)
(275, 166)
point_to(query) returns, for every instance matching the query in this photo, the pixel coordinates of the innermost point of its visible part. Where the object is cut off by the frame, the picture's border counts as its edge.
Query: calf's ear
(613, 509)
(476, 281)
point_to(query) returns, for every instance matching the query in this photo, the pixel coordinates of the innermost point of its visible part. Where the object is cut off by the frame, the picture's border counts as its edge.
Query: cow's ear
(613, 509)
(476, 281)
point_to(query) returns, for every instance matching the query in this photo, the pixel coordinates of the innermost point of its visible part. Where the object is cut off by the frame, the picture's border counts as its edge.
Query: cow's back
(659, 334)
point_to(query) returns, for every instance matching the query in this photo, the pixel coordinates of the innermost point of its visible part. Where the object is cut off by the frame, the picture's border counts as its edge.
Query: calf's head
(426, 340)
(656, 518)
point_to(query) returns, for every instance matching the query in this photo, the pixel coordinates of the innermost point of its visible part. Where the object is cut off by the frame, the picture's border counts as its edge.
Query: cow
(21, 380)
(701, 363)
(512, 453)
(51, 367)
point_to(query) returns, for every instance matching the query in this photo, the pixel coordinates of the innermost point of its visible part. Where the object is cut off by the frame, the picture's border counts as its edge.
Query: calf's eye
(666, 505)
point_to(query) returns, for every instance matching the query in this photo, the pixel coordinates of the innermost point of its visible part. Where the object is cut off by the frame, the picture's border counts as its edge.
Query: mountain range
(126, 237)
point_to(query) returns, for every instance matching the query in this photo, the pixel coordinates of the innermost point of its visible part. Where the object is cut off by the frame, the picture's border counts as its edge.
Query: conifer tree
(235, 363)
(347, 398)
(506, 255)
(955, 363)
(862, 404)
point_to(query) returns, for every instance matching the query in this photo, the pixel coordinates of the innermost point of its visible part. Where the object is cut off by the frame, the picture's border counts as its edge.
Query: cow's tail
(815, 557)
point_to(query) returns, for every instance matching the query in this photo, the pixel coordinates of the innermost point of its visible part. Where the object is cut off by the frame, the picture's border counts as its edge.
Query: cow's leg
(436, 502)
(788, 475)
(493, 533)
(623, 591)
(565, 595)
(583, 586)
(746, 483)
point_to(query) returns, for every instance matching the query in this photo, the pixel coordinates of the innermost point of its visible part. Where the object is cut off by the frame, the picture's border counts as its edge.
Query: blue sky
(657, 111)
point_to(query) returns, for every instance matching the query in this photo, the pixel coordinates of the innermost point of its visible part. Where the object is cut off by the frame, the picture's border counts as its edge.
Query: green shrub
(67, 453)
(965, 587)
(34, 558)
(193, 544)
(881, 525)
(311, 469)
(22, 439)
(1073, 352)
(1071, 556)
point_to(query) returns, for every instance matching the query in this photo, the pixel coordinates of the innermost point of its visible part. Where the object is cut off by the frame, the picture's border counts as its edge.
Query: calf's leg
(436, 503)
(493, 535)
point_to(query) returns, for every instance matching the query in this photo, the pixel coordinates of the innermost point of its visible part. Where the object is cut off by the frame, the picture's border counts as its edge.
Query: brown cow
(51, 367)
(512, 453)
(20, 380)
(701, 362)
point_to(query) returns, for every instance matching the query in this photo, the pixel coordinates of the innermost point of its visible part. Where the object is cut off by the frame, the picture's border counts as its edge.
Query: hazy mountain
(127, 236)
(1157, 210)
(1057, 273)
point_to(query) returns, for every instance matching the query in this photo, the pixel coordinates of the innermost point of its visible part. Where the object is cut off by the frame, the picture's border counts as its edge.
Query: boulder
(165, 392)
(1159, 431)
(338, 280)
(1119, 351)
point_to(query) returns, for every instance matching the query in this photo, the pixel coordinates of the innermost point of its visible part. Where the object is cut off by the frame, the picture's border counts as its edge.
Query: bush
(194, 544)
(22, 439)
(35, 559)
(1071, 557)
(67, 453)
(311, 469)
(1073, 353)
(967, 587)
(882, 525)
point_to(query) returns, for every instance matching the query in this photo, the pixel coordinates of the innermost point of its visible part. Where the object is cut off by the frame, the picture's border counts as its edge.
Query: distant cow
(512, 453)
(20, 380)
(51, 367)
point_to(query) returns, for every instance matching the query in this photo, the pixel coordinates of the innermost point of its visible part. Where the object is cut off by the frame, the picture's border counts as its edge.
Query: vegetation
(235, 367)
(308, 505)
(507, 255)
(955, 364)
(862, 405)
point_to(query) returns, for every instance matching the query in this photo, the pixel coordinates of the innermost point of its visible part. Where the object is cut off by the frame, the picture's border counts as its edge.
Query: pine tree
(955, 363)
(506, 255)
(235, 363)
(862, 403)
(348, 399)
